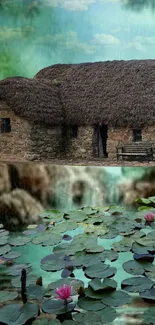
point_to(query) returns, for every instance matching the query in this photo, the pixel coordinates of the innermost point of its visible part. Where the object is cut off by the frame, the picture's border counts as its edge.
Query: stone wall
(14, 145)
(82, 146)
(36, 142)
(45, 142)
(120, 135)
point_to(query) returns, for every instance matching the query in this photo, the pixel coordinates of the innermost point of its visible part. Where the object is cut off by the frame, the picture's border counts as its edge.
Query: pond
(92, 245)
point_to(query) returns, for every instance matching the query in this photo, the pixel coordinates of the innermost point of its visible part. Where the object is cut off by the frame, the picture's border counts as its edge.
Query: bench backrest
(136, 147)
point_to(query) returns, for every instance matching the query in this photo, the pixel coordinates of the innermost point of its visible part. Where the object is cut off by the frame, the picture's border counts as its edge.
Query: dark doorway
(103, 132)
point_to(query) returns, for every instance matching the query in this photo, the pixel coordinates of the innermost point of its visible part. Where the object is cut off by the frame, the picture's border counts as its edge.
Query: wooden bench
(135, 149)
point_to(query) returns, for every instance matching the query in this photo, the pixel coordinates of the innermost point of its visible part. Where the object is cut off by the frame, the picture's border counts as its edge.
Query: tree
(139, 5)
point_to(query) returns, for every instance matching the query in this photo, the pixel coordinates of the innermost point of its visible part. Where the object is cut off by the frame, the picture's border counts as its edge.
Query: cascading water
(87, 186)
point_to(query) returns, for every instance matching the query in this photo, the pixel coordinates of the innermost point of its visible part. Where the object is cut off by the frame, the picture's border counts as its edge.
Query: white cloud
(67, 41)
(72, 5)
(141, 43)
(105, 39)
(120, 29)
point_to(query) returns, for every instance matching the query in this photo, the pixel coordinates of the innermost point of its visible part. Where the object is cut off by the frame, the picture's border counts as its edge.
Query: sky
(74, 31)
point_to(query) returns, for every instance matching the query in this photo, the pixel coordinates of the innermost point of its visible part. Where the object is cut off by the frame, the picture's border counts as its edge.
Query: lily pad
(12, 255)
(90, 304)
(7, 295)
(47, 239)
(19, 241)
(133, 267)
(53, 262)
(136, 284)
(149, 316)
(148, 295)
(57, 307)
(46, 321)
(88, 318)
(76, 284)
(108, 315)
(35, 292)
(109, 255)
(5, 249)
(17, 268)
(107, 284)
(100, 270)
(14, 314)
(3, 240)
(89, 210)
(77, 216)
(116, 298)
(138, 268)
(30, 279)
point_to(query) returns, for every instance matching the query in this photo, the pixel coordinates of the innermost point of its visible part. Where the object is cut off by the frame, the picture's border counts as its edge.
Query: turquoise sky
(72, 31)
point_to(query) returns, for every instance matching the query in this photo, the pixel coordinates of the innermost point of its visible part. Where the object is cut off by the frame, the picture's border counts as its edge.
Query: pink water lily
(149, 217)
(64, 292)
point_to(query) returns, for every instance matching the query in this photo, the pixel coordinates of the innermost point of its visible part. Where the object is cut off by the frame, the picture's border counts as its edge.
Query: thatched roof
(117, 93)
(33, 99)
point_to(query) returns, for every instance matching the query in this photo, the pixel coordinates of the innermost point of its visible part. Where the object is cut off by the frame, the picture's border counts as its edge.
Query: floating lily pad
(12, 255)
(149, 316)
(54, 262)
(3, 240)
(17, 268)
(54, 215)
(108, 315)
(85, 260)
(116, 298)
(100, 270)
(46, 321)
(19, 241)
(89, 210)
(47, 239)
(77, 216)
(109, 255)
(133, 267)
(76, 284)
(14, 314)
(65, 226)
(97, 249)
(30, 279)
(143, 201)
(7, 295)
(138, 268)
(5, 249)
(88, 318)
(136, 284)
(35, 292)
(148, 295)
(57, 307)
(139, 249)
(107, 284)
(90, 304)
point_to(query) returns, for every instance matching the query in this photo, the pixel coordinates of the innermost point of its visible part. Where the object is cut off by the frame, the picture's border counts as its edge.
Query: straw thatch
(36, 100)
(117, 93)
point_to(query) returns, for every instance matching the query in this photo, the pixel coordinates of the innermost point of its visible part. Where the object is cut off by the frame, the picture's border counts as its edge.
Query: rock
(19, 209)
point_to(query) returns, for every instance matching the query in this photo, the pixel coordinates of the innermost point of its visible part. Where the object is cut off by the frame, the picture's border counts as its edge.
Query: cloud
(71, 5)
(120, 29)
(105, 39)
(68, 41)
(141, 43)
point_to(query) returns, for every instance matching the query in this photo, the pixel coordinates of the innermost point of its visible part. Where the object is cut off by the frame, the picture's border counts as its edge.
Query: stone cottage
(77, 110)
